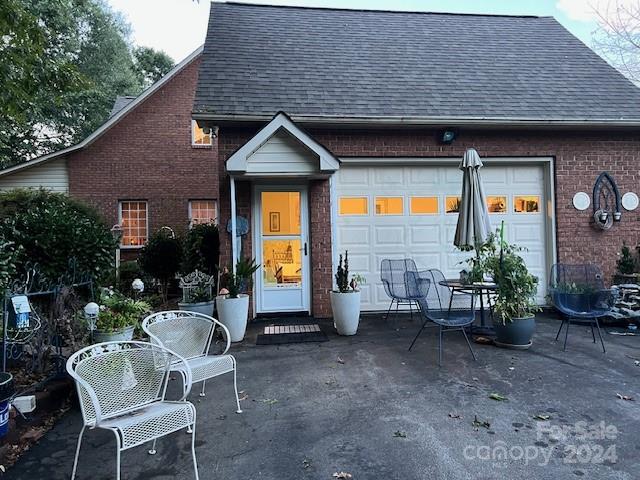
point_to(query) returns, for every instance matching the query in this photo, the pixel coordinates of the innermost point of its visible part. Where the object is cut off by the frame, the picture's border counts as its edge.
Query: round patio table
(477, 288)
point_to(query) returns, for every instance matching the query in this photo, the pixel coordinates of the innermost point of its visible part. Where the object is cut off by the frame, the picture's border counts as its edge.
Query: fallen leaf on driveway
(497, 397)
(624, 397)
(243, 397)
(399, 434)
(340, 361)
(306, 463)
(454, 415)
(480, 423)
(342, 475)
(269, 401)
(543, 417)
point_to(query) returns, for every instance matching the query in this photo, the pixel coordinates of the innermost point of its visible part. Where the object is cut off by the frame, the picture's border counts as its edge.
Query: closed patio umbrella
(473, 226)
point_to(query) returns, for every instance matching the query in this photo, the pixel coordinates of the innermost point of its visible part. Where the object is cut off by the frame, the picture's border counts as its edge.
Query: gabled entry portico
(281, 161)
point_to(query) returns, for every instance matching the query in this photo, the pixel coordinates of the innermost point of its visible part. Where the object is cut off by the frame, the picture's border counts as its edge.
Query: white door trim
(304, 236)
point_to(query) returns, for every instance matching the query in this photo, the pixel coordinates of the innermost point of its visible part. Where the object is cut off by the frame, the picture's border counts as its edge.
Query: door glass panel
(280, 213)
(282, 263)
(526, 204)
(424, 205)
(497, 204)
(389, 206)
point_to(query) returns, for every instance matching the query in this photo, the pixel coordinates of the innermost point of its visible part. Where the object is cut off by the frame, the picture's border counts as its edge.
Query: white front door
(282, 249)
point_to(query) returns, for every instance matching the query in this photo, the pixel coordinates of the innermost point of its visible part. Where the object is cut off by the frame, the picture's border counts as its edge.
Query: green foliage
(62, 64)
(575, 288)
(516, 287)
(626, 264)
(342, 273)
(150, 65)
(50, 228)
(198, 294)
(118, 311)
(240, 282)
(8, 254)
(161, 258)
(202, 249)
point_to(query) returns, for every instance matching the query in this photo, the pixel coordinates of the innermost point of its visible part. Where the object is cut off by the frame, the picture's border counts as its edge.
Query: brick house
(331, 130)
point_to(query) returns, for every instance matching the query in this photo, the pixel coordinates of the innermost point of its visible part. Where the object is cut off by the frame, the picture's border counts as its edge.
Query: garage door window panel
(424, 206)
(389, 206)
(497, 204)
(526, 204)
(452, 204)
(354, 206)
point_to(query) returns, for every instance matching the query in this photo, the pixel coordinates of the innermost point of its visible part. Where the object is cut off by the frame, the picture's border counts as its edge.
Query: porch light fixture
(448, 136)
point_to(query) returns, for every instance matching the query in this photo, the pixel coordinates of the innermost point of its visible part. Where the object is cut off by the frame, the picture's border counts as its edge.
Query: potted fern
(118, 317)
(345, 301)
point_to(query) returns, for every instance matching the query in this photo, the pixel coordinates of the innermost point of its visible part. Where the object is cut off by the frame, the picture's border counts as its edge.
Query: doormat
(281, 334)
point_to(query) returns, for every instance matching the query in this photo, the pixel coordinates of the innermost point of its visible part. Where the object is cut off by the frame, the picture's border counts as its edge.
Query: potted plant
(197, 293)
(232, 302)
(515, 306)
(118, 317)
(345, 301)
(626, 267)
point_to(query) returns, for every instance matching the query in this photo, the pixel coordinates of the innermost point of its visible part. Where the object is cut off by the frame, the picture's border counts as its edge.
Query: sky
(178, 27)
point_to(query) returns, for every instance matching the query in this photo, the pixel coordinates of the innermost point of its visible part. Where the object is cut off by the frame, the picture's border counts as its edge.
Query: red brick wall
(579, 158)
(148, 156)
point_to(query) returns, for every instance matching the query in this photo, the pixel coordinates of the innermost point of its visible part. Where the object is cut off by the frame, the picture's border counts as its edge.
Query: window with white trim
(199, 137)
(203, 211)
(132, 217)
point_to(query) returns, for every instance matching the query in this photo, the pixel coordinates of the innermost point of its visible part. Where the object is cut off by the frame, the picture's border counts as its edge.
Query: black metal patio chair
(394, 280)
(578, 292)
(438, 304)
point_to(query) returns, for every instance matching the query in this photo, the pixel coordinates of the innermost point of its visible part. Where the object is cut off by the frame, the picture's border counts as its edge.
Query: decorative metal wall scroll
(606, 202)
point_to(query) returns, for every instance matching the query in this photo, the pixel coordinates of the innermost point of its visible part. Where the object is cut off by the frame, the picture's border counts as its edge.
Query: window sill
(201, 146)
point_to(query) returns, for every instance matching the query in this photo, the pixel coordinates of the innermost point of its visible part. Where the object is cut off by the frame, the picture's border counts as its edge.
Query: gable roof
(114, 117)
(337, 64)
(121, 102)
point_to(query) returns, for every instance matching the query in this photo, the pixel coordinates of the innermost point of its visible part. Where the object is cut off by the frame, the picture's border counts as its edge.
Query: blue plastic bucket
(4, 418)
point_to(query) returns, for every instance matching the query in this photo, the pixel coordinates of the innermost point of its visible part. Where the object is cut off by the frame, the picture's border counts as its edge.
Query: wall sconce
(448, 135)
(606, 202)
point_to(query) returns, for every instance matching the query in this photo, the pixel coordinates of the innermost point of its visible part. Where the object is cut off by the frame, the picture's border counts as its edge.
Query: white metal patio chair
(122, 386)
(189, 334)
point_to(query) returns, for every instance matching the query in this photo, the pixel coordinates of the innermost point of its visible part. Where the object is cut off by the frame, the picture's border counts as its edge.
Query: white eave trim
(237, 163)
(426, 121)
(111, 121)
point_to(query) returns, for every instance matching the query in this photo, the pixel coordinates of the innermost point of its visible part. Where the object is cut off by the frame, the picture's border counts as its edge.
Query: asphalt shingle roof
(259, 60)
(120, 103)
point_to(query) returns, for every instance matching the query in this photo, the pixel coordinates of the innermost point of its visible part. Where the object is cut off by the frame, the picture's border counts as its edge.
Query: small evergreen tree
(626, 263)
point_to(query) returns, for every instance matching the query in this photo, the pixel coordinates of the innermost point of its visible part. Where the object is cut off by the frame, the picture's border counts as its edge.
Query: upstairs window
(134, 222)
(198, 137)
(202, 211)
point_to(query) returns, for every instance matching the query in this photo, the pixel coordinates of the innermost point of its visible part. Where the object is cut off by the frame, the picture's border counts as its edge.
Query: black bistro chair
(394, 280)
(578, 292)
(440, 305)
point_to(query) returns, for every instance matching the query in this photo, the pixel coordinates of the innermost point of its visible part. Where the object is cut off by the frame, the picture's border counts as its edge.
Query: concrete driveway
(365, 406)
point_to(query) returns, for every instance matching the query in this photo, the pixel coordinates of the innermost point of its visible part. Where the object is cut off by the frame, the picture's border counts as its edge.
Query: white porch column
(233, 224)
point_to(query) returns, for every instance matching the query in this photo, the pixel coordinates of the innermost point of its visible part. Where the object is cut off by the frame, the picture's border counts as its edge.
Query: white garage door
(409, 212)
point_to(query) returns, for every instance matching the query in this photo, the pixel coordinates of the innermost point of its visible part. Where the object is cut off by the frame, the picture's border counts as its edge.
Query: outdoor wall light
(448, 136)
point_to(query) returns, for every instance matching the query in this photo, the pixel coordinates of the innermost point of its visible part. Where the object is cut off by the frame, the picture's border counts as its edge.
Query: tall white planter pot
(346, 312)
(233, 313)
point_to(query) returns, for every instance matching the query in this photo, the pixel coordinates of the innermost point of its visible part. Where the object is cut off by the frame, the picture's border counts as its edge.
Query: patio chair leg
(75, 460)
(440, 346)
(386, 317)
(593, 335)
(118, 453)
(235, 387)
(395, 317)
(424, 324)
(202, 394)
(153, 447)
(469, 344)
(600, 335)
(566, 334)
(193, 446)
(560, 329)
(411, 310)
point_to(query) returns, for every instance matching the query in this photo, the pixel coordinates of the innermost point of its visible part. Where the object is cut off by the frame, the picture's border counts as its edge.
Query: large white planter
(233, 313)
(124, 335)
(346, 312)
(201, 307)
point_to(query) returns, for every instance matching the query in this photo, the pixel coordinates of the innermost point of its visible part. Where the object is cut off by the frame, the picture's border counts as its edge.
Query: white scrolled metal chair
(122, 386)
(189, 334)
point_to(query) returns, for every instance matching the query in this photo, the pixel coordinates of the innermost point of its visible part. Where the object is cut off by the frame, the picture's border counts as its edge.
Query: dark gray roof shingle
(120, 103)
(259, 60)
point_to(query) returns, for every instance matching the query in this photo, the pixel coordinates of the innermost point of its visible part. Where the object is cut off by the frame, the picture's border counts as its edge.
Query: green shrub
(161, 258)
(626, 264)
(202, 249)
(50, 228)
